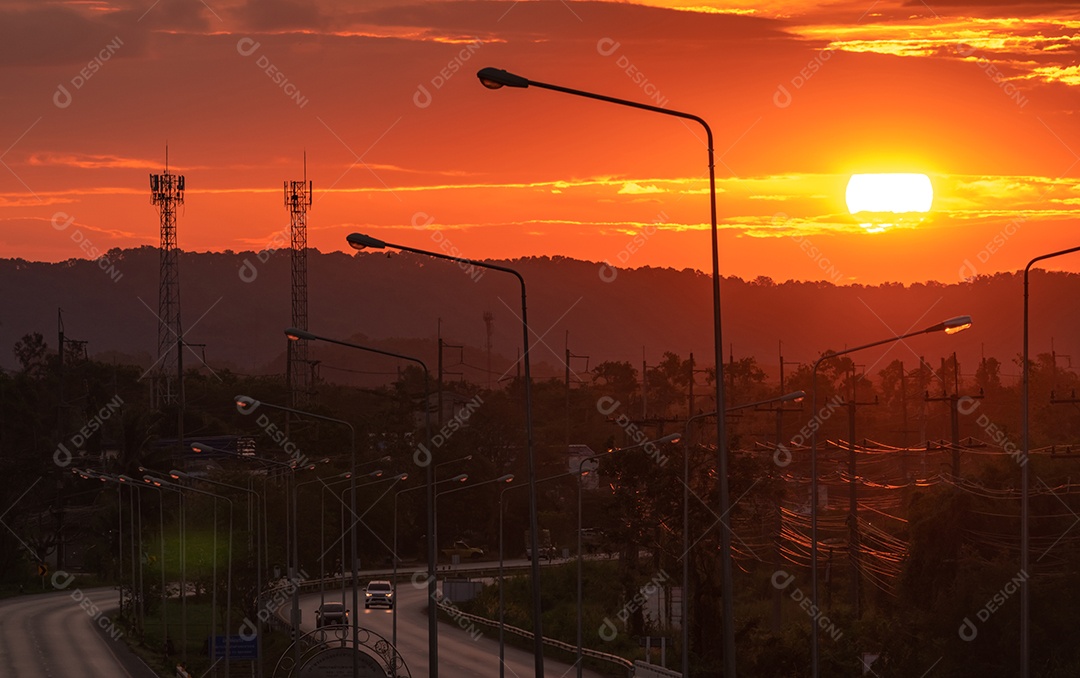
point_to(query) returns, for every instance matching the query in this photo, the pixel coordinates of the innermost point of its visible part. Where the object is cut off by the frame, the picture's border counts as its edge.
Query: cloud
(631, 188)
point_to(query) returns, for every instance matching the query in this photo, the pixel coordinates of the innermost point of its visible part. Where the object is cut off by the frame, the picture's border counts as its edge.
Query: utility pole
(954, 411)
(489, 330)
(853, 498)
(778, 598)
(570, 356)
(461, 359)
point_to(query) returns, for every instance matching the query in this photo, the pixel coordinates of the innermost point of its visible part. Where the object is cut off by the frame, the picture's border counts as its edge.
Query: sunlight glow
(881, 201)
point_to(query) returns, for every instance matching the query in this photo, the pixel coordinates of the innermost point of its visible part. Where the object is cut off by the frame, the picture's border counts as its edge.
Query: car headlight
(367, 594)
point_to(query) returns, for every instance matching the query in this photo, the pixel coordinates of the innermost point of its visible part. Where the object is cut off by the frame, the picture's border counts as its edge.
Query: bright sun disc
(880, 201)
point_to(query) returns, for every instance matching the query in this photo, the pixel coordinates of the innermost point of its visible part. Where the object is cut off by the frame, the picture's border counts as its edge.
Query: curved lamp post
(177, 475)
(341, 477)
(507, 478)
(295, 334)
(1025, 592)
(494, 78)
(460, 478)
(247, 404)
(158, 482)
(670, 438)
(794, 396)
(502, 608)
(360, 241)
(950, 326)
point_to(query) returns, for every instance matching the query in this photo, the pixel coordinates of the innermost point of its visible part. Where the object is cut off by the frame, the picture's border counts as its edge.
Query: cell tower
(167, 193)
(297, 365)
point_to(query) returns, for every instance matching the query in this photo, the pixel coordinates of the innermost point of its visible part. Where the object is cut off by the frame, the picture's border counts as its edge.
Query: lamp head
(177, 475)
(460, 478)
(245, 404)
(794, 396)
(508, 478)
(957, 324)
(296, 334)
(359, 241)
(198, 447)
(401, 477)
(497, 78)
(670, 438)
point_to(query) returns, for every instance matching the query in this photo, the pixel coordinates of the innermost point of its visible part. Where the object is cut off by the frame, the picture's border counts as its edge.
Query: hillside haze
(237, 304)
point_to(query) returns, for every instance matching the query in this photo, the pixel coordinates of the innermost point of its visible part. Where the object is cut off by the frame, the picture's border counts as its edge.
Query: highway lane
(65, 634)
(460, 654)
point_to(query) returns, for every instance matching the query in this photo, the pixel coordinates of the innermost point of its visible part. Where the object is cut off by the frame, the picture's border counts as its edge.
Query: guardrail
(281, 622)
(551, 642)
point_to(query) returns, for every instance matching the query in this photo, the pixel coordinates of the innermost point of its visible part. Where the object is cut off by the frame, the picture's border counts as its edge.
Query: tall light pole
(87, 474)
(460, 478)
(322, 551)
(494, 78)
(502, 607)
(202, 448)
(228, 581)
(177, 475)
(360, 241)
(247, 404)
(685, 603)
(670, 438)
(950, 326)
(1025, 592)
(467, 457)
(429, 474)
(506, 478)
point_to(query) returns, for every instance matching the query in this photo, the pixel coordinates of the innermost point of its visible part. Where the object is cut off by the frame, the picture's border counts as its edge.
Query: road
(460, 656)
(65, 635)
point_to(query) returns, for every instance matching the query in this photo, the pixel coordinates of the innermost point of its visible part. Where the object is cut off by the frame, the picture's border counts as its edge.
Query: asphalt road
(65, 635)
(460, 654)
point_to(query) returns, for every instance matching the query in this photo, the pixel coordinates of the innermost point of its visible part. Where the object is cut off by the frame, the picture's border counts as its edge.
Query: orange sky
(403, 142)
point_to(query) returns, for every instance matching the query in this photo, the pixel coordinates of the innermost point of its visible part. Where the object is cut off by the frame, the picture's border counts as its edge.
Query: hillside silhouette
(237, 304)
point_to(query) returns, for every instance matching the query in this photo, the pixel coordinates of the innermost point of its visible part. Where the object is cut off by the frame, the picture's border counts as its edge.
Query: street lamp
(507, 478)
(950, 326)
(1025, 593)
(246, 405)
(467, 457)
(460, 478)
(159, 482)
(502, 622)
(670, 438)
(494, 78)
(429, 472)
(177, 475)
(87, 474)
(795, 396)
(360, 241)
(182, 557)
(322, 520)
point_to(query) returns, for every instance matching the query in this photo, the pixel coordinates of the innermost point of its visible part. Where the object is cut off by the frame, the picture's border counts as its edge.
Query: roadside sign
(239, 649)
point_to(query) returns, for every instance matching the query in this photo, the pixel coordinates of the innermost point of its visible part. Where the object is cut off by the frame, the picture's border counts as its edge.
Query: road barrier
(279, 622)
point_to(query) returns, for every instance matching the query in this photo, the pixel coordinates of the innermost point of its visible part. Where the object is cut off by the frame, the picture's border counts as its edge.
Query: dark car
(331, 614)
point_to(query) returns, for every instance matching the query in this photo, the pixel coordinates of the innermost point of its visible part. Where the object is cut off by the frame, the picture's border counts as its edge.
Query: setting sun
(880, 201)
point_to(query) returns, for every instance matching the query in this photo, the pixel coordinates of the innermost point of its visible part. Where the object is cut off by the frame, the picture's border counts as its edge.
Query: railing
(279, 620)
(551, 642)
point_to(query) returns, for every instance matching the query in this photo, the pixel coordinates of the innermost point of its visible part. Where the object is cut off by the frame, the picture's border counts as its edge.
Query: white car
(379, 592)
